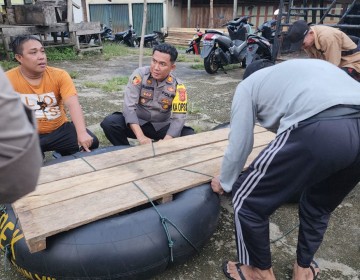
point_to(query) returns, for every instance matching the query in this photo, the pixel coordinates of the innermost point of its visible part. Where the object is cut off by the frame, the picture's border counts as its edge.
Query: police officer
(155, 103)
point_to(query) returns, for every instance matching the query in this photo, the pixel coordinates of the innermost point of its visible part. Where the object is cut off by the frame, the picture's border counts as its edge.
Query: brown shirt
(329, 43)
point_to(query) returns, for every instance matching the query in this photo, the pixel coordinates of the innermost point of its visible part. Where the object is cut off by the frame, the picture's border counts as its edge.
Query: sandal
(314, 265)
(227, 274)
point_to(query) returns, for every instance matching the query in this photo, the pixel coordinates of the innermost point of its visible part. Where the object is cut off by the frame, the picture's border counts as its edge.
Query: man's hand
(144, 140)
(85, 140)
(216, 186)
(167, 136)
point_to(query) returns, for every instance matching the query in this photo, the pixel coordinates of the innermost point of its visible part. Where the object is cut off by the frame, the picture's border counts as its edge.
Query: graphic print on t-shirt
(44, 105)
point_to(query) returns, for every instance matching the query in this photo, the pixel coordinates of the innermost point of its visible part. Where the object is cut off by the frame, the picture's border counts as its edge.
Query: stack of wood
(182, 36)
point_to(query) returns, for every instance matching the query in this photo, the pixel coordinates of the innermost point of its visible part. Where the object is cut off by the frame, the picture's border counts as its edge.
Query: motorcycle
(194, 44)
(127, 37)
(105, 34)
(220, 50)
(152, 39)
(259, 47)
(267, 30)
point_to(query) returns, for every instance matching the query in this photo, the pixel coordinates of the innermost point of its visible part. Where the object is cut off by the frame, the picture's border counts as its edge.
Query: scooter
(259, 47)
(127, 37)
(194, 44)
(267, 30)
(152, 39)
(220, 50)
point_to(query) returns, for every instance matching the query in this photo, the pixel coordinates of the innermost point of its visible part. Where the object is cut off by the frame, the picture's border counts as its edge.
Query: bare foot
(237, 271)
(309, 273)
(232, 270)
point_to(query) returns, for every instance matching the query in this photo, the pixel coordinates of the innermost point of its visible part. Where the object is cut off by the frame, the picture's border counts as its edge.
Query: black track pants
(321, 159)
(64, 140)
(116, 130)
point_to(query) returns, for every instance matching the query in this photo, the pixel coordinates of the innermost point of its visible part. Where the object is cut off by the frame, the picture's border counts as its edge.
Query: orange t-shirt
(46, 98)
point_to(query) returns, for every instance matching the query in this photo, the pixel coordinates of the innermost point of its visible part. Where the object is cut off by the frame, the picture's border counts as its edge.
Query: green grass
(7, 65)
(198, 66)
(113, 85)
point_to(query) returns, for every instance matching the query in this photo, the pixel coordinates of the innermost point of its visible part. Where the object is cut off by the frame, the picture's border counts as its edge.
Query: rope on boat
(165, 221)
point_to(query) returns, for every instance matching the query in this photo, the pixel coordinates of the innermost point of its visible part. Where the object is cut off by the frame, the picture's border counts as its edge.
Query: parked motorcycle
(259, 47)
(127, 37)
(220, 50)
(267, 30)
(105, 34)
(194, 44)
(152, 39)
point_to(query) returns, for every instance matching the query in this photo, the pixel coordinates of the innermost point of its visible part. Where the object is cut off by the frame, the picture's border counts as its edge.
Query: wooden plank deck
(68, 193)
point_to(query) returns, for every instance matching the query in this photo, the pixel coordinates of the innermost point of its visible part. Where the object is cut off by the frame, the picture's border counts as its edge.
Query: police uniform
(159, 107)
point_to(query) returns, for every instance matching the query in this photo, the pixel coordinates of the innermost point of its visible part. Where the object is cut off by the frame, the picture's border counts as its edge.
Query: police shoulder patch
(136, 80)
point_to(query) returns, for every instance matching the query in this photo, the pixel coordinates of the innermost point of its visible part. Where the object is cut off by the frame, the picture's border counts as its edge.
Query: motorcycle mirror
(276, 12)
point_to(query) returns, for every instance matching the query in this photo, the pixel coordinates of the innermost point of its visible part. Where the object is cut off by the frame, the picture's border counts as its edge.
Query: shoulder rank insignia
(169, 80)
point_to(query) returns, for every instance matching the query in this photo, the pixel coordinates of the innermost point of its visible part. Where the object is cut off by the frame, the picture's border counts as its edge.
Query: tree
(141, 54)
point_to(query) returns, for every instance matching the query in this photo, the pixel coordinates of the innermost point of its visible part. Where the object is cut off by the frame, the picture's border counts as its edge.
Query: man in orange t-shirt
(46, 90)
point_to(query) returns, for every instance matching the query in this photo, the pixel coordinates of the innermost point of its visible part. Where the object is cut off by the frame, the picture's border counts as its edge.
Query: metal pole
(188, 13)
(235, 9)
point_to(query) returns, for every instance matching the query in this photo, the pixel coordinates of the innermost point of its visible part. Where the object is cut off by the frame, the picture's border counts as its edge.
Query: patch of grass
(192, 109)
(62, 53)
(199, 66)
(113, 85)
(114, 50)
(104, 142)
(7, 65)
(74, 74)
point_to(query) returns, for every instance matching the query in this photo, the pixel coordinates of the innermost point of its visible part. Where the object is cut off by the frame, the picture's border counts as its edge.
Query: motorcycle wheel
(210, 64)
(243, 63)
(134, 43)
(149, 44)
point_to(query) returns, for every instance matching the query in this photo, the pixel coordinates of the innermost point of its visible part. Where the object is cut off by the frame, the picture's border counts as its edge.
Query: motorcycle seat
(214, 31)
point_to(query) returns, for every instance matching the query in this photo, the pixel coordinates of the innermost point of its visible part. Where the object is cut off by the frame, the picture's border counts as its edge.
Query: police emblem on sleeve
(179, 104)
(136, 80)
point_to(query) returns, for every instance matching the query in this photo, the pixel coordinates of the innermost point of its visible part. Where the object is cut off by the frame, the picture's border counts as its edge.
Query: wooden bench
(69, 194)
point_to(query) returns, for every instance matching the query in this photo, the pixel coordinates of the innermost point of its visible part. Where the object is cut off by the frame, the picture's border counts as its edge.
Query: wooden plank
(50, 209)
(81, 185)
(119, 157)
(127, 196)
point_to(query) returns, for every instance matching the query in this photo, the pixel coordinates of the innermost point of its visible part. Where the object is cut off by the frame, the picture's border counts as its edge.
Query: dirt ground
(210, 100)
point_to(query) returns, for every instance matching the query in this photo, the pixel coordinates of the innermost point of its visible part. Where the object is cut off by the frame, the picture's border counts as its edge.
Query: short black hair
(257, 65)
(167, 48)
(17, 43)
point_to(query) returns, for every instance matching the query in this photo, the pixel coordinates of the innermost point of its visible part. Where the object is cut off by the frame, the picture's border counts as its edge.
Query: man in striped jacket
(314, 109)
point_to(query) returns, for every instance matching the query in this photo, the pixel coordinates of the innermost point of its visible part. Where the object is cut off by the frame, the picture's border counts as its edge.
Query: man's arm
(241, 138)
(20, 155)
(84, 139)
(139, 134)
(131, 98)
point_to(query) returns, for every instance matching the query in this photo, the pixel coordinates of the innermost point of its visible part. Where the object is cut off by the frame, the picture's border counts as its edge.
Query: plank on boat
(69, 193)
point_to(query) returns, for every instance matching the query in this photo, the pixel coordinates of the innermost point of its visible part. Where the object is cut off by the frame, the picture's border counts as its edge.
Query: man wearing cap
(327, 43)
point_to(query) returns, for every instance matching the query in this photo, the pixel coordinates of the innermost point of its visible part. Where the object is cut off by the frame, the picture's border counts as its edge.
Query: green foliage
(61, 53)
(7, 65)
(115, 49)
(114, 85)
(199, 66)
(74, 74)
